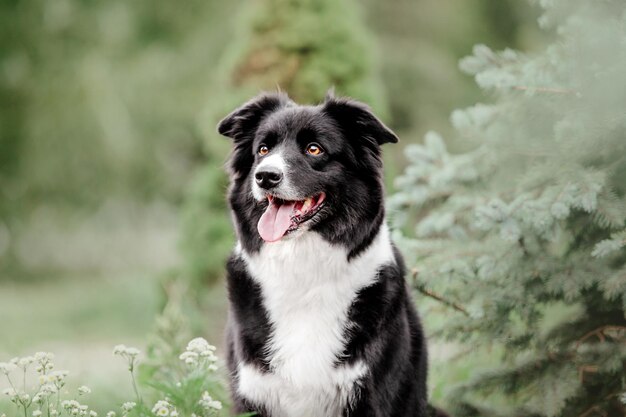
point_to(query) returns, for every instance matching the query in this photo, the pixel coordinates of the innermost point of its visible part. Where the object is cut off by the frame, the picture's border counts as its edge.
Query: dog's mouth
(284, 216)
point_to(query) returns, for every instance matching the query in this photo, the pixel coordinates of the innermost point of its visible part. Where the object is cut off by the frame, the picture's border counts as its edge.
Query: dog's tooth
(306, 205)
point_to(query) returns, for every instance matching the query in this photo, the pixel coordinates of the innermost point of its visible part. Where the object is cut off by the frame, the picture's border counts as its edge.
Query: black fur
(384, 330)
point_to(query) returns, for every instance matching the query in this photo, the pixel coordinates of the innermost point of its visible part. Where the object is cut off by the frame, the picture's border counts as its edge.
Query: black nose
(268, 178)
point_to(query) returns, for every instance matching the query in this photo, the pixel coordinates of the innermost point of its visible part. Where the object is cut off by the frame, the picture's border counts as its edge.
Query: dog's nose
(268, 178)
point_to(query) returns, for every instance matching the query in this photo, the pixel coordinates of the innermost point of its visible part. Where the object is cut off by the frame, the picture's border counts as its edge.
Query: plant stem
(131, 368)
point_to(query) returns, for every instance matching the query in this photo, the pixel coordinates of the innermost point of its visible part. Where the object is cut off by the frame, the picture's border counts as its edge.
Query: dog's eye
(263, 150)
(314, 149)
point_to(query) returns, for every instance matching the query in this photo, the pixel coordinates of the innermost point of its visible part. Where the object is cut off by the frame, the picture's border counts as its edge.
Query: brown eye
(314, 149)
(263, 150)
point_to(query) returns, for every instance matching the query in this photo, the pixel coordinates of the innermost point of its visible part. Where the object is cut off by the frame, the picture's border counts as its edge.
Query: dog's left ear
(356, 118)
(243, 122)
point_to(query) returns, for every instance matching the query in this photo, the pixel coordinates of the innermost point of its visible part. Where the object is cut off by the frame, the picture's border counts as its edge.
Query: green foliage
(174, 390)
(302, 47)
(523, 237)
(175, 379)
(420, 44)
(99, 100)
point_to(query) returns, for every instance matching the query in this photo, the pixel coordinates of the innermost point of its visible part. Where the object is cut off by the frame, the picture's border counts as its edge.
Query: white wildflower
(44, 356)
(216, 405)
(125, 351)
(47, 390)
(128, 406)
(72, 406)
(132, 352)
(93, 414)
(37, 413)
(209, 403)
(119, 349)
(25, 362)
(83, 389)
(57, 376)
(6, 368)
(10, 392)
(190, 358)
(200, 345)
(111, 414)
(162, 408)
(197, 349)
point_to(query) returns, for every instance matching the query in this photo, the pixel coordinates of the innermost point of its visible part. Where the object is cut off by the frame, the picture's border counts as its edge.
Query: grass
(79, 317)
(79, 308)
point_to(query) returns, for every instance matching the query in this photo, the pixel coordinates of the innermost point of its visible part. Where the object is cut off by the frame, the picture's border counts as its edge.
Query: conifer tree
(523, 239)
(302, 47)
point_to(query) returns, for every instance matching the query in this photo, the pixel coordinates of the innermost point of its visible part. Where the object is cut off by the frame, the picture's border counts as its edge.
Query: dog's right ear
(243, 122)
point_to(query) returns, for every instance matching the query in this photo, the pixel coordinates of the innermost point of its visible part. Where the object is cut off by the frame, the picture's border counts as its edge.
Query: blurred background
(111, 175)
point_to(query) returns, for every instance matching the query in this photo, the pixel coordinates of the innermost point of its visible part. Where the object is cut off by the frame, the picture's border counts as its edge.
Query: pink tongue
(275, 221)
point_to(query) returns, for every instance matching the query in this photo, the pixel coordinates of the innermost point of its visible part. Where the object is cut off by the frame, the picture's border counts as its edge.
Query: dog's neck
(305, 257)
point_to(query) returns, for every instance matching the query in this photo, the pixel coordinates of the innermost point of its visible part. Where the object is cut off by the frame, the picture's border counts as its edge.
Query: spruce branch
(429, 293)
(594, 409)
(600, 333)
(591, 369)
(597, 408)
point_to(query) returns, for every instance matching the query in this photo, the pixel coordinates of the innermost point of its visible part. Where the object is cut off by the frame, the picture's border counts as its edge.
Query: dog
(321, 323)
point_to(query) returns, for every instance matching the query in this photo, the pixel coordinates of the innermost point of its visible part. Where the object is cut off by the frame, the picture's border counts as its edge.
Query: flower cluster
(163, 408)
(7, 367)
(128, 353)
(50, 383)
(46, 398)
(124, 351)
(127, 407)
(208, 403)
(200, 352)
(74, 408)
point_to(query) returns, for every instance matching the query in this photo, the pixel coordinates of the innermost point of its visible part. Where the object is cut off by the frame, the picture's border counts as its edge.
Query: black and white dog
(321, 322)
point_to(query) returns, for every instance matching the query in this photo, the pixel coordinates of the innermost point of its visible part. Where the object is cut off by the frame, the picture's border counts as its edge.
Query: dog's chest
(308, 287)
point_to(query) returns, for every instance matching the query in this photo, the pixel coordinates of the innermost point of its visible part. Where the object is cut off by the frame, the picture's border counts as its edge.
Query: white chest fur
(308, 287)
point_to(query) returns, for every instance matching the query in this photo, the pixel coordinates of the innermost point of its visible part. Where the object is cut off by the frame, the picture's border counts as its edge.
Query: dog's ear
(243, 122)
(241, 126)
(357, 119)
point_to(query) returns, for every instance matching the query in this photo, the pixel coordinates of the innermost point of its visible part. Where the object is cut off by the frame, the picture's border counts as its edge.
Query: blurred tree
(99, 101)
(421, 42)
(524, 237)
(302, 47)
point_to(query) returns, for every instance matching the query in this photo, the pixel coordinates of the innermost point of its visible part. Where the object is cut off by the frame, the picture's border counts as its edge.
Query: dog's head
(296, 169)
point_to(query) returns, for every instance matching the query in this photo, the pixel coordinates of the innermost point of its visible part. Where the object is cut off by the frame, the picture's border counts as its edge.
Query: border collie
(321, 321)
